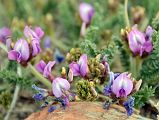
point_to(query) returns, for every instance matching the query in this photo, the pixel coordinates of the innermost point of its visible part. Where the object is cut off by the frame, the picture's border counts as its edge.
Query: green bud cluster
(85, 90)
(73, 55)
(96, 69)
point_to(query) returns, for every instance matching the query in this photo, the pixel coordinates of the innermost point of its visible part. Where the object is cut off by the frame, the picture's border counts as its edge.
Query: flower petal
(13, 55)
(86, 12)
(40, 66)
(39, 32)
(83, 65)
(48, 68)
(75, 68)
(22, 47)
(59, 85)
(122, 84)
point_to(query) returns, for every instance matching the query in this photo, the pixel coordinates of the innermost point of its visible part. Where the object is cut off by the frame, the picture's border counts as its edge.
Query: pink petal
(86, 12)
(48, 68)
(40, 66)
(135, 39)
(122, 82)
(35, 47)
(39, 32)
(29, 33)
(59, 85)
(22, 47)
(13, 55)
(75, 68)
(83, 65)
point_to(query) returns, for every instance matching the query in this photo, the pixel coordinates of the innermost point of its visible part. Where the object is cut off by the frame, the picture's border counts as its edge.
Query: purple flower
(34, 36)
(122, 86)
(51, 109)
(59, 86)
(108, 88)
(42, 93)
(86, 12)
(140, 43)
(44, 68)
(20, 52)
(4, 34)
(80, 68)
(38, 96)
(129, 104)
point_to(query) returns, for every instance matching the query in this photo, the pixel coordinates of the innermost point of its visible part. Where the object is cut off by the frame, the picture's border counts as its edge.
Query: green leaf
(143, 95)
(12, 78)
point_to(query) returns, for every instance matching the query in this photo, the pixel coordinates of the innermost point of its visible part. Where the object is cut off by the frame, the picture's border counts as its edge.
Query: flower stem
(135, 65)
(126, 13)
(3, 47)
(39, 76)
(15, 96)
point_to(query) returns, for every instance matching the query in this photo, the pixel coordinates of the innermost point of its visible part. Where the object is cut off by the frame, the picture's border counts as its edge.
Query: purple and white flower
(81, 67)
(45, 69)
(60, 86)
(86, 12)
(34, 37)
(140, 43)
(20, 51)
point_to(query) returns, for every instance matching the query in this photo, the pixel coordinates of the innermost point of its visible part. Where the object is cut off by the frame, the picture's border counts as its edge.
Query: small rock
(85, 111)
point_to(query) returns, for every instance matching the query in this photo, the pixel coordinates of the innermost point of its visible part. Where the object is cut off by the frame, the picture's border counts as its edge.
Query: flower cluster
(26, 48)
(120, 87)
(139, 43)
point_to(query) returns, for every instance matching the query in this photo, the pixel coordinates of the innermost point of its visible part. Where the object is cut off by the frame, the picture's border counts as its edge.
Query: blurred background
(61, 23)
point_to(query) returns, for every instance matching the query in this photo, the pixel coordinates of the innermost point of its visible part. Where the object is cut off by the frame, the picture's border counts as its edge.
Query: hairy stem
(39, 76)
(15, 96)
(126, 13)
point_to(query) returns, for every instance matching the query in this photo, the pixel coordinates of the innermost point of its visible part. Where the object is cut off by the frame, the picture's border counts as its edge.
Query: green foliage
(89, 48)
(150, 67)
(5, 99)
(109, 51)
(67, 17)
(124, 56)
(143, 95)
(12, 78)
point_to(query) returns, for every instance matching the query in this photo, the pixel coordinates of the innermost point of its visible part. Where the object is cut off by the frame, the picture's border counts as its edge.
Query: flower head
(4, 33)
(129, 104)
(44, 68)
(59, 86)
(34, 37)
(140, 43)
(81, 67)
(122, 86)
(20, 51)
(86, 12)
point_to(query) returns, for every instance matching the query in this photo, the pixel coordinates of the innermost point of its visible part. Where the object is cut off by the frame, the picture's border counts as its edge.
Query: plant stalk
(126, 13)
(39, 76)
(15, 96)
